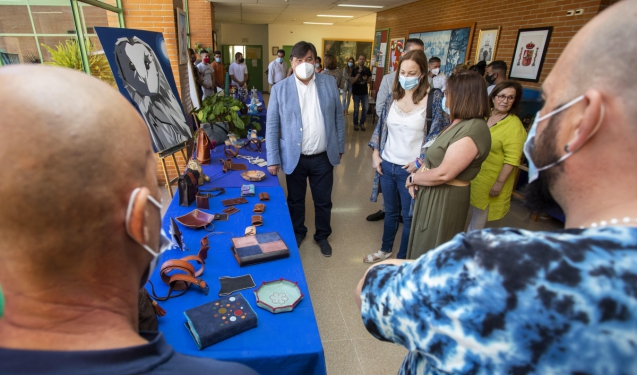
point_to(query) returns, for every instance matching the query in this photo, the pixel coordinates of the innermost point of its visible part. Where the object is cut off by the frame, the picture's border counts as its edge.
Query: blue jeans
(346, 97)
(364, 100)
(396, 196)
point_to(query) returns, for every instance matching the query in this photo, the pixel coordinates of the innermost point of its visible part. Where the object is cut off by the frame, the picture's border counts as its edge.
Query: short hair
(461, 68)
(236, 55)
(318, 59)
(479, 68)
(217, 53)
(498, 65)
(191, 51)
(515, 108)
(434, 59)
(419, 58)
(301, 49)
(280, 51)
(467, 96)
(330, 61)
(202, 51)
(409, 44)
(362, 54)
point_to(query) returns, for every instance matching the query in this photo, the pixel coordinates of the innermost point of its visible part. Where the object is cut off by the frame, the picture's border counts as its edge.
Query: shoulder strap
(430, 109)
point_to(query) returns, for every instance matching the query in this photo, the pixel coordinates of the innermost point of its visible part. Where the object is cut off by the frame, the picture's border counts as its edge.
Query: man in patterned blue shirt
(509, 301)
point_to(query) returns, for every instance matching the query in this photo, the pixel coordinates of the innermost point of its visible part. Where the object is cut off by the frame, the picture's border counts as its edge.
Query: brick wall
(201, 14)
(510, 15)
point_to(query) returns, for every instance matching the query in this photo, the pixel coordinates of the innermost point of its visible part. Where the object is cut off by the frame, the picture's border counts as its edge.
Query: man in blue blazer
(305, 131)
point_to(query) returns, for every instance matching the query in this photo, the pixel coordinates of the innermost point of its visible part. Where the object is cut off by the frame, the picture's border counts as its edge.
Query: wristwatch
(411, 178)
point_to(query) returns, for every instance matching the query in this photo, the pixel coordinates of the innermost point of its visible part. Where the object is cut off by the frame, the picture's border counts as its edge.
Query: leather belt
(459, 183)
(185, 275)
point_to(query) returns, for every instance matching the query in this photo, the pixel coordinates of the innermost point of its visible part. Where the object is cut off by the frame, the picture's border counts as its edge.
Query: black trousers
(318, 169)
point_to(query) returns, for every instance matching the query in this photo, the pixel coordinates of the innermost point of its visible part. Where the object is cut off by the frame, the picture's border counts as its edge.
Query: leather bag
(203, 148)
(188, 187)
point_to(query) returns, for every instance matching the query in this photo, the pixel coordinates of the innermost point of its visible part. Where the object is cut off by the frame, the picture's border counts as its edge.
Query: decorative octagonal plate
(278, 295)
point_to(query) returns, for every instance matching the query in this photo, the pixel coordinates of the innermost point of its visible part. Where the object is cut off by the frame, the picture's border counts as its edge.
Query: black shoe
(363, 127)
(299, 239)
(380, 215)
(356, 127)
(326, 249)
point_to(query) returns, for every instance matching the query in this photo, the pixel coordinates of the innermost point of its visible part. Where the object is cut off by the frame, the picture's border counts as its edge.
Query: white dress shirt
(239, 72)
(314, 139)
(277, 71)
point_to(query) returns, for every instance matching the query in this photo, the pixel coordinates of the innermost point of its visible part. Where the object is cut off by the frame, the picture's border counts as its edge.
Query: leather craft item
(188, 187)
(196, 166)
(197, 219)
(253, 175)
(229, 165)
(178, 238)
(179, 274)
(264, 196)
(253, 144)
(257, 220)
(230, 285)
(230, 151)
(262, 247)
(234, 201)
(202, 201)
(230, 210)
(251, 231)
(203, 148)
(211, 191)
(221, 217)
(219, 320)
(259, 208)
(247, 190)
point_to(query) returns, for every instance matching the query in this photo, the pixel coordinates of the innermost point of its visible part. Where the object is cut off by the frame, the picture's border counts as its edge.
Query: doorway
(253, 56)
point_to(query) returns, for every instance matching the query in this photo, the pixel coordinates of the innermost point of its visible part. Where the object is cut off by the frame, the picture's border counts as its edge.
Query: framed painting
(343, 49)
(182, 37)
(451, 44)
(396, 48)
(381, 36)
(529, 53)
(487, 45)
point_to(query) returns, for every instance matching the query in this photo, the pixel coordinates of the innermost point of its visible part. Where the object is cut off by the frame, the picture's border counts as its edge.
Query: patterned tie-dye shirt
(507, 301)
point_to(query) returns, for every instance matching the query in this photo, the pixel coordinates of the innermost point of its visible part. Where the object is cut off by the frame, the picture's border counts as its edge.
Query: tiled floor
(349, 348)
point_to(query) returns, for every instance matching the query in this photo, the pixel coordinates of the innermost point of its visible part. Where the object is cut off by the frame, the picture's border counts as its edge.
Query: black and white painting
(487, 45)
(139, 61)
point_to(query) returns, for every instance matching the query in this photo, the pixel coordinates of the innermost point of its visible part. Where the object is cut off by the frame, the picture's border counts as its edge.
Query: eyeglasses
(502, 97)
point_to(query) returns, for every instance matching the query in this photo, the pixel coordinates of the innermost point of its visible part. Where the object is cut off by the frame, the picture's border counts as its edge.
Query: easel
(171, 152)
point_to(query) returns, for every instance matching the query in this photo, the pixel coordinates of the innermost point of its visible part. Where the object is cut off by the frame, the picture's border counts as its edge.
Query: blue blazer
(283, 126)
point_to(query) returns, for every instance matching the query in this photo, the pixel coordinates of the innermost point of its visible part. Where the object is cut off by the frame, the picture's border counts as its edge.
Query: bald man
(508, 301)
(79, 230)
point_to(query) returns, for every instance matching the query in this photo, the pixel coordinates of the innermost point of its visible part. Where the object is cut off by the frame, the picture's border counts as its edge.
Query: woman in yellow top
(491, 189)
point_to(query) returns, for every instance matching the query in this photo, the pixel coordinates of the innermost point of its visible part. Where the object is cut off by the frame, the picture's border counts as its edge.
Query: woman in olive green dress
(442, 186)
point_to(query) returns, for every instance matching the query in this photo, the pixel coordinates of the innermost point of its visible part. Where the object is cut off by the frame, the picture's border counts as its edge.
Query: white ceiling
(296, 12)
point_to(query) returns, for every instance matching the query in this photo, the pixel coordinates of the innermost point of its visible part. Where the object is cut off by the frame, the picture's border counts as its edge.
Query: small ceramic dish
(278, 296)
(197, 219)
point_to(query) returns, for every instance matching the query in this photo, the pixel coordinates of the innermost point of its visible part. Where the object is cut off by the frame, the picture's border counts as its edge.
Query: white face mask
(435, 71)
(304, 70)
(164, 242)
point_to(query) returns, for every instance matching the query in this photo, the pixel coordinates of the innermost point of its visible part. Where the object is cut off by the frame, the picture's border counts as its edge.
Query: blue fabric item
(360, 100)
(282, 343)
(397, 199)
(262, 116)
(284, 133)
(233, 178)
(155, 358)
(507, 301)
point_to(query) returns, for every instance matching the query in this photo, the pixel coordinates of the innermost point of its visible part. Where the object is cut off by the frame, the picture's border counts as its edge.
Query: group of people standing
(442, 145)
(210, 75)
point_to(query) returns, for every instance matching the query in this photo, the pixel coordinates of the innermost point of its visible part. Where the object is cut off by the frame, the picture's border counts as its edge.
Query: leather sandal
(376, 257)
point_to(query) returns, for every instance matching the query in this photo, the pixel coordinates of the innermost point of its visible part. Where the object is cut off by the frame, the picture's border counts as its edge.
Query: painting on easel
(139, 61)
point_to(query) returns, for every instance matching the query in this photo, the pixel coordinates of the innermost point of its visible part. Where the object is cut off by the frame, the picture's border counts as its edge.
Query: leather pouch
(257, 220)
(202, 201)
(188, 187)
(221, 217)
(203, 148)
(219, 320)
(262, 247)
(230, 210)
(264, 196)
(259, 208)
(234, 201)
(247, 190)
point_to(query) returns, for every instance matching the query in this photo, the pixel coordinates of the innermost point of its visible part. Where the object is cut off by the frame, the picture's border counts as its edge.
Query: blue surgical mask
(529, 145)
(408, 83)
(218, 59)
(444, 105)
(350, 64)
(279, 59)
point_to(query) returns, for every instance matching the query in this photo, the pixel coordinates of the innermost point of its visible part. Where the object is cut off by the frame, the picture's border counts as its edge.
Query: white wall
(234, 34)
(280, 35)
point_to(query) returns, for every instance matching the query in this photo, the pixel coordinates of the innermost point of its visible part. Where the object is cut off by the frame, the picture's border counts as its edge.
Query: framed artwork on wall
(182, 38)
(381, 36)
(451, 44)
(529, 53)
(275, 50)
(396, 47)
(487, 45)
(343, 49)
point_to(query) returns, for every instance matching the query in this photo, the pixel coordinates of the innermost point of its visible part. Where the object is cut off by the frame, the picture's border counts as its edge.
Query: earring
(566, 148)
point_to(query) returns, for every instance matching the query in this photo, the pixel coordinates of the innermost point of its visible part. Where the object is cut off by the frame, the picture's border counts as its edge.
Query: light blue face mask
(444, 105)
(279, 59)
(529, 145)
(408, 83)
(218, 59)
(350, 64)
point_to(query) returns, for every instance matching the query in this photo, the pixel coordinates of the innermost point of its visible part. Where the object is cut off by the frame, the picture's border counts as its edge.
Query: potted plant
(222, 112)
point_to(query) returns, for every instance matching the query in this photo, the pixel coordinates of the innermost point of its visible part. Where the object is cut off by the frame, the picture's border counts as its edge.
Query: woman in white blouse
(396, 144)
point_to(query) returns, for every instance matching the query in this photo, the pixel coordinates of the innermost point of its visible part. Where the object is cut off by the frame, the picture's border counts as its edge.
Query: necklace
(613, 221)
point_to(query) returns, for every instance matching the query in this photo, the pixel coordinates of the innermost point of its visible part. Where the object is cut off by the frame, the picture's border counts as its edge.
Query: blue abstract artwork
(448, 45)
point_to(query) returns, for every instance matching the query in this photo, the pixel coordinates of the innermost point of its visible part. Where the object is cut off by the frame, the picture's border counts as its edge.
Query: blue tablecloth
(263, 115)
(233, 178)
(285, 343)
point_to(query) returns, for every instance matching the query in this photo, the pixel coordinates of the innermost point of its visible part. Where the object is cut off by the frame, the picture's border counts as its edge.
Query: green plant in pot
(221, 112)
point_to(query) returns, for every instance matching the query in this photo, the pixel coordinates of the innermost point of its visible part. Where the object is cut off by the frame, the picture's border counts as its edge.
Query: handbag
(217, 131)
(188, 187)
(203, 148)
